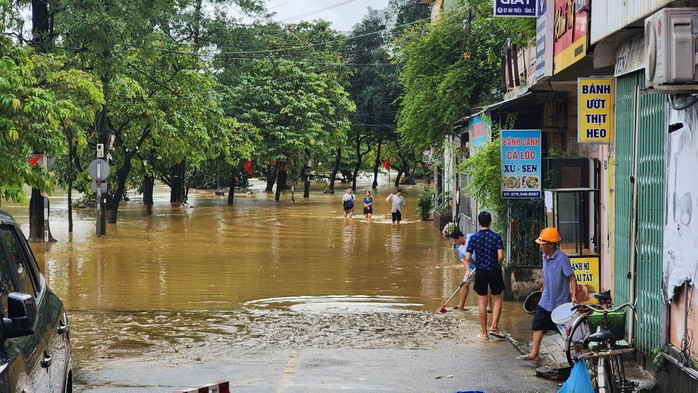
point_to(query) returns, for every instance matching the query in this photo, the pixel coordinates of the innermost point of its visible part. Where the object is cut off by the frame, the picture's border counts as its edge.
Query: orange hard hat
(548, 235)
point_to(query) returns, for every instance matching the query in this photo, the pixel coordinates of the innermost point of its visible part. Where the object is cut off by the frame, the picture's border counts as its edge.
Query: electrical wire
(316, 11)
(280, 4)
(689, 102)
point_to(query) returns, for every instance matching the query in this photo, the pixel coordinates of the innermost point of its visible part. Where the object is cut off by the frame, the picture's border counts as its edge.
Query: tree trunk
(177, 193)
(71, 179)
(121, 178)
(335, 169)
(37, 218)
(272, 171)
(70, 206)
(148, 185)
(42, 42)
(41, 26)
(233, 184)
(280, 182)
(306, 182)
(359, 160)
(376, 165)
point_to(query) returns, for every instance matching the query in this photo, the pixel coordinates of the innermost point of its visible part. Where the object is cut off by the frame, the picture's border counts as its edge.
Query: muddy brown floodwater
(259, 273)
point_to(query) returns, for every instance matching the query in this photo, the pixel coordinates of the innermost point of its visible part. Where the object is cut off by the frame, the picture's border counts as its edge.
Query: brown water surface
(259, 273)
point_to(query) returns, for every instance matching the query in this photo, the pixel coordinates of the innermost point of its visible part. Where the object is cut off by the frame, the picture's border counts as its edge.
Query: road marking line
(290, 371)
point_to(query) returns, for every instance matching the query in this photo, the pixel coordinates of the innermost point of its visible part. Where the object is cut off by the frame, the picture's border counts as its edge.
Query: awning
(511, 101)
(482, 109)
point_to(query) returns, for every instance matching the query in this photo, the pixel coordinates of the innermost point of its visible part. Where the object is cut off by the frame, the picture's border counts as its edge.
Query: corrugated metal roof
(609, 16)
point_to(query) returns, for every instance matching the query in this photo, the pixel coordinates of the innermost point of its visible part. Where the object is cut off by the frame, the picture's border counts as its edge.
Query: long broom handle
(454, 294)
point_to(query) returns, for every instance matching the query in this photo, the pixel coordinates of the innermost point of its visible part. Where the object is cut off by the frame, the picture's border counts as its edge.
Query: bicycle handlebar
(597, 308)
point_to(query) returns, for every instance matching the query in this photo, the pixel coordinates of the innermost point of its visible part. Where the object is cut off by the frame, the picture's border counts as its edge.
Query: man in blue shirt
(559, 287)
(489, 248)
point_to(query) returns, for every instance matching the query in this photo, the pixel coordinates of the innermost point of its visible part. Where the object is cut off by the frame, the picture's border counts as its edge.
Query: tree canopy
(451, 66)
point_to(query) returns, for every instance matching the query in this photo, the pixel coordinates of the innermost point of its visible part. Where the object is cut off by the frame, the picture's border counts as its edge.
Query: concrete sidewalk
(553, 363)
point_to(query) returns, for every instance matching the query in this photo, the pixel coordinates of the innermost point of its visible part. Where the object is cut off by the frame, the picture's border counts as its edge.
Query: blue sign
(515, 8)
(479, 133)
(540, 40)
(521, 164)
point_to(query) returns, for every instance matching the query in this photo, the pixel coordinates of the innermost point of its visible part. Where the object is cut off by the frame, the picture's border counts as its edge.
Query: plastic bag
(579, 380)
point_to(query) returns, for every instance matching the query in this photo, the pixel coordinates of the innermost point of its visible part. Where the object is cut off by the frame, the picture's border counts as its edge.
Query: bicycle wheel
(578, 340)
(605, 379)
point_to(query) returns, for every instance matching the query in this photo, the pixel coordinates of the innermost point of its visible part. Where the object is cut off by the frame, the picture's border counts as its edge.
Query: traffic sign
(102, 186)
(98, 166)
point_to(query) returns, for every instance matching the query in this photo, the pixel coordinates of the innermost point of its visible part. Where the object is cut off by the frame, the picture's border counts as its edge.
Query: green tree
(299, 105)
(160, 98)
(39, 98)
(375, 85)
(451, 66)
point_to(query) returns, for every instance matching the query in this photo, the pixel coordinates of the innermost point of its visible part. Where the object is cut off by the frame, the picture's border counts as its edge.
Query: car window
(18, 257)
(6, 283)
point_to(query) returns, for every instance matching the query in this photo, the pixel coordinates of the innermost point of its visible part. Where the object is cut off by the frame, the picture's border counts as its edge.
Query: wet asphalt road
(451, 364)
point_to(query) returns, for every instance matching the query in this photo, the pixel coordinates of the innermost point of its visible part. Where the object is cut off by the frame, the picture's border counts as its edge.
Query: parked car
(35, 355)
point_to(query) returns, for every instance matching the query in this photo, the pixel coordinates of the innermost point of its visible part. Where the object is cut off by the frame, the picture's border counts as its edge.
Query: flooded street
(196, 281)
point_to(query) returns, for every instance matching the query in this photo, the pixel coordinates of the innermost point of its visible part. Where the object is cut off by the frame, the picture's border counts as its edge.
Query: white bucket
(564, 317)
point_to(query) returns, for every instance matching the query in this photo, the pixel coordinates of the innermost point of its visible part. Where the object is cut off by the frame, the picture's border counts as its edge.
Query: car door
(28, 356)
(52, 315)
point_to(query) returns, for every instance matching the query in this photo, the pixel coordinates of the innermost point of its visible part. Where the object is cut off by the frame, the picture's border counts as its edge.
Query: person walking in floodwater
(397, 201)
(368, 205)
(348, 201)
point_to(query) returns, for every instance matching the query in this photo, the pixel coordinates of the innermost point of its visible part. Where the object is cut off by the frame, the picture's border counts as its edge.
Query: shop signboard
(479, 133)
(544, 41)
(595, 103)
(515, 8)
(570, 32)
(586, 271)
(521, 164)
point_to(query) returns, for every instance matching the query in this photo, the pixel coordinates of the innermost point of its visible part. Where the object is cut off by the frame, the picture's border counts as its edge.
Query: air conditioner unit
(670, 47)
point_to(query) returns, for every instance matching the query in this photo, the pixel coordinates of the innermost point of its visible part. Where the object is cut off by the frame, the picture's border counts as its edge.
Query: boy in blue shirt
(461, 243)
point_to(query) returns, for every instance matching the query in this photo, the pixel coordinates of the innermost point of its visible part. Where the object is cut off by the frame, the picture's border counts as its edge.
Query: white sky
(343, 14)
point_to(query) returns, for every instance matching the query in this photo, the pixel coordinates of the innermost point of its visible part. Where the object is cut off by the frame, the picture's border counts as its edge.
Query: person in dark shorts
(397, 201)
(559, 287)
(348, 200)
(368, 205)
(489, 248)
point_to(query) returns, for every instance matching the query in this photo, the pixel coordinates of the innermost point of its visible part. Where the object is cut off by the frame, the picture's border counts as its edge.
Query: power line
(280, 4)
(316, 11)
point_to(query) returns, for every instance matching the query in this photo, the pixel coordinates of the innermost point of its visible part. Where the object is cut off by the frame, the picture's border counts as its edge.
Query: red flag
(386, 164)
(248, 167)
(35, 160)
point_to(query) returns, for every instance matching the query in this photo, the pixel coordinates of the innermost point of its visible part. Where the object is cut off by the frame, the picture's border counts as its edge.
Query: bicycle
(600, 349)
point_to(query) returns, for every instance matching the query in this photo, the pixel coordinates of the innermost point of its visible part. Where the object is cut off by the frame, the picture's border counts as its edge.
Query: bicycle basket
(616, 321)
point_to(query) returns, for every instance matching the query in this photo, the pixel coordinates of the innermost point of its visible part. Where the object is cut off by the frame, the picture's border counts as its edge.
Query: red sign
(569, 33)
(247, 166)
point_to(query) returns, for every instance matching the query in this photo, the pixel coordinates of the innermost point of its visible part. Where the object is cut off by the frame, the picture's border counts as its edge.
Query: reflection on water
(211, 266)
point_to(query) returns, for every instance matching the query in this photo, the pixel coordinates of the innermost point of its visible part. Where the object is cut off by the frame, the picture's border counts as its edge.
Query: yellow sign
(586, 270)
(596, 100)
